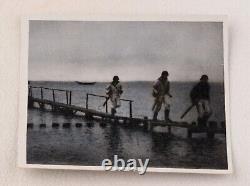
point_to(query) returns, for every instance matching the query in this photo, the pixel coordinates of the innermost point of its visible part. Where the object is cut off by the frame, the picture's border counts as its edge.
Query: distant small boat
(85, 83)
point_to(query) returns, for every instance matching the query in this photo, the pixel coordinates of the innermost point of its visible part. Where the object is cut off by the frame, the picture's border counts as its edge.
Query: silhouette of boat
(85, 83)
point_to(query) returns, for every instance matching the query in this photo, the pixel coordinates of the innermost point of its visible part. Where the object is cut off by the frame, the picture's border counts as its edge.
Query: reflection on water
(94, 141)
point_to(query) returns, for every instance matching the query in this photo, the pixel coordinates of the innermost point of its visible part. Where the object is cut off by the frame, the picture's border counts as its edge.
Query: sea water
(93, 142)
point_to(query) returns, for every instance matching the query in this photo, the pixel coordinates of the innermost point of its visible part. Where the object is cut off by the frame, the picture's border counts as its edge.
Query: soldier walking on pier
(200, 97)
(114, 91)
(162, 96)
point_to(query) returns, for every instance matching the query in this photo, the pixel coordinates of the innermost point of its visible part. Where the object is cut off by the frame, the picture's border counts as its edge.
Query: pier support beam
(145, 123)
(89, 116)
(78, 125)
(189, 133)
(212, 125)
(30, 125)
(55, 125)
(42, 125)
(169, 129)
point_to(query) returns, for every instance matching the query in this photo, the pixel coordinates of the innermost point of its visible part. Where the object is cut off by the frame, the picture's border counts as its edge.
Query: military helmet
(204, 77)
(115, 78)
(164, 73)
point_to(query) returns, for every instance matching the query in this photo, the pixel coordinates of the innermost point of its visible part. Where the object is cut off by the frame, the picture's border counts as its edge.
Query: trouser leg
(167, 115)
(157, 108)
(200, 109)
(155, 115)
(204, 112)
(167, 107)
(114, 105)
(113, 111)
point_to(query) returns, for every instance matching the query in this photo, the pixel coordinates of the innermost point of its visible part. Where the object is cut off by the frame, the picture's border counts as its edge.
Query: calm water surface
(92, 143)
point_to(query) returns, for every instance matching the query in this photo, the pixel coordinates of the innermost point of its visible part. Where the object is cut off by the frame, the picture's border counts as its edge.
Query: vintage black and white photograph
(151, 93)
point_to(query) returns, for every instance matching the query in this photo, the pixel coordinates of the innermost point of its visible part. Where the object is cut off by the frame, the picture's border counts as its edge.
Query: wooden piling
(212, 125)
(189, 133)
(145, 123)
(66, 125)
(78, 125)
(41, 93)
(106, 106)
(87, 100)
(169, 130)
(30, 103)
(223, 124)
(55, 125)
(53, 94)
(30, 125)
(130, 109)
(70, 96)
(89, 116)
(90, 124)
(103, 124)
(30, 91)
(42, 125)
(67, 97)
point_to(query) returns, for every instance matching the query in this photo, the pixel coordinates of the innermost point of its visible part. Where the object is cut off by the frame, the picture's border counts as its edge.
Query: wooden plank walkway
(91, 112)
(68, 108)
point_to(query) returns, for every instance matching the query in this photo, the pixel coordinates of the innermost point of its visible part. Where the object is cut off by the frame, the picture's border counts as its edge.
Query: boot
(167, 116)
(113, 111)
(155, 116)
(201, 122)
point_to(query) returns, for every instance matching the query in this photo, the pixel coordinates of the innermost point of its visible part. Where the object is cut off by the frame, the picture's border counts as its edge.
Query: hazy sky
(96, 51)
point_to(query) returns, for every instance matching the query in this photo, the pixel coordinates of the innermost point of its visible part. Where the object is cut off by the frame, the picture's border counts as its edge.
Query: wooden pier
(145, 123)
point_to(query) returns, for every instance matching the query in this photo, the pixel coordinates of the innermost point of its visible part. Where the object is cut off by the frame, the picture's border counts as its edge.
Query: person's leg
(201, 111)
(113, 106)
(207, 108)
(118, 102)
(167, 108)
(157, 108)
(207, 111)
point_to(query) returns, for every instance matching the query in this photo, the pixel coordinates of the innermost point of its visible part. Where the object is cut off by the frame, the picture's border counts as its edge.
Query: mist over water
(92, 143)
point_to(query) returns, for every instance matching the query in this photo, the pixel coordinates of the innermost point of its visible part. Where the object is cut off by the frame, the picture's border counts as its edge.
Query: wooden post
(130, 109)
(41, 93)
(54, 100)
(189, 133)
(212, 125)
(30, 102)
(70, 94)
(31, 92)
(106, 105)
(145, 123)
(87, 100)
(67, 97)
(53, 93)
(169, 129)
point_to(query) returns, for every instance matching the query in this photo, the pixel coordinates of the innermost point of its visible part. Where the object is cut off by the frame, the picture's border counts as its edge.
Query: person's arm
(120, 89)
(156, 88)
(108, 90)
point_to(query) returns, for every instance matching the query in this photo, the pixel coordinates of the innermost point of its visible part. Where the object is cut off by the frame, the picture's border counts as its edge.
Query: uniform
(162, 97)
(200, 96)
(114, 92)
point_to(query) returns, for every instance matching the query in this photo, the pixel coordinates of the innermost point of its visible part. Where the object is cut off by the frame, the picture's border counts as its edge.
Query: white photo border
(23, 85)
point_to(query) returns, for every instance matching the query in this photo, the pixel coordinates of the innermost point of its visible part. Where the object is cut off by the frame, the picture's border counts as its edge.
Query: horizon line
(120, 81)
